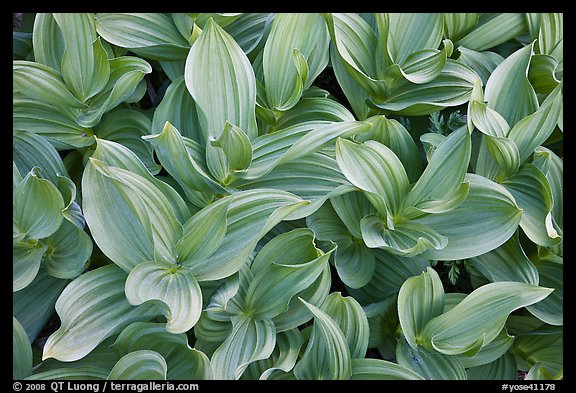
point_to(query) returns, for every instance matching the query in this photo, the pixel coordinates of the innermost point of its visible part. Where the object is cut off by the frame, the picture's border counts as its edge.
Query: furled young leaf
(273, 286)
(286, 48)
(72, 211)
(235, 152)
(170, 284)
(21, 351)
(421, 298)
(327, 355)
(249, 341)
(36, 207)
(220, 78)
(479, 318)
(68, 250)
(98, 294)
(139, 365)
(152, 35)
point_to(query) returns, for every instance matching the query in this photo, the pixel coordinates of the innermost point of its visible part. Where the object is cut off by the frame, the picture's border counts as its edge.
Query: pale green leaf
(250, 340)
(327, 355)
(26, 260)
(21, 351)
(36, 207)
(533, 194)
(551, 309)
(485, 220)
(542, 73)
(236, 147)
(250, 30)
(354, 262)
(553, 167)
(170, 284)
(72, 211)
(378, 369)
(480, 317)
(351, 208)
(489, 352)
(47, 41)
(420, 299)
(482, 62)
(503, 368)
(313, 109)
(68, 250)
(216, 64)
(457, 25)
(494, 30)
(98, 294)
(139, 365)
(85, 373)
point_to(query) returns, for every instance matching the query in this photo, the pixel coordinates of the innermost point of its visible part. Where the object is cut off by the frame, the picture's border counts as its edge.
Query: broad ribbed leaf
(482, 62)
(429, 364)
(327, 355)
(68, 250)
(141, 224)
(30, 150)
(485, 119)
(85, 373)
(378, 369)
(44, 84)
(274, 286)
(85, 67)
(26, 260)
(47, 41)
(50, 122)
(36, 207)
(235, 145)
(533, 130)
(33, 306)
(493, 30)
(171, 284)
(374, 168)
(354, 262)
(485, 220)
(551, 35)
(351, 208)
(508, 90)
(507, 263)
(152, 35)
(203, 233)
(126, 127)
(220, 78)
(21, 351)
(553, 167)
(178, 108)
(92, 308)
(503, 368)
(313, 109)
(551, 309)
(250, 30)
(489, 352)
(303, 34)
(249, 341)
(445, 171)
(533, 194)
(457, 25)
(351, 318)
(72, 211)
(250, 216)
(542, 73)
(420, 299)
(479, 318)
(139, 365)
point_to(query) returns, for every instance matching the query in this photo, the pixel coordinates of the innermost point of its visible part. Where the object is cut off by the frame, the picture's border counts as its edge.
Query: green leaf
(30, 150)
(21, 351)
(507, 263)
(542, 73)
(68, 250)
(485, 220)
(351, 318)
(374, 168)
(351, 208)
(482, 62)
(151, 35)
(490, 352)
(235, 145)
(98, 294)
(274, 285)
(429, 364)
(182, 361)
(44, 84)
(503, 368)
(553, 167)
(170, 284)
(508, 90)
(457, 25)
(47, 41)
(445, 172)
(533, 193)
(178, 108)
(313, 109)
(216, 64)
(85, 67)
(551, 309)
(479, 318)
(139, 365)
(36, 207)
(21, 45)
(494, 30)
(250, 30)
(289, 49)
(249, 341)
(378, 369)
(72, 211)
(354, 262)
(67, 374)
(421, 298)
(250, 216)
(327, 355)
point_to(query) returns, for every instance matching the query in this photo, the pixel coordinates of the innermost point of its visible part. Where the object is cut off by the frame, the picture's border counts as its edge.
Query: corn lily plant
(288, 196)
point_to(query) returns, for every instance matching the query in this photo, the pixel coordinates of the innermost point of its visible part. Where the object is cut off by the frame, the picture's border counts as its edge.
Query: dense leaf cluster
(191, 200)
